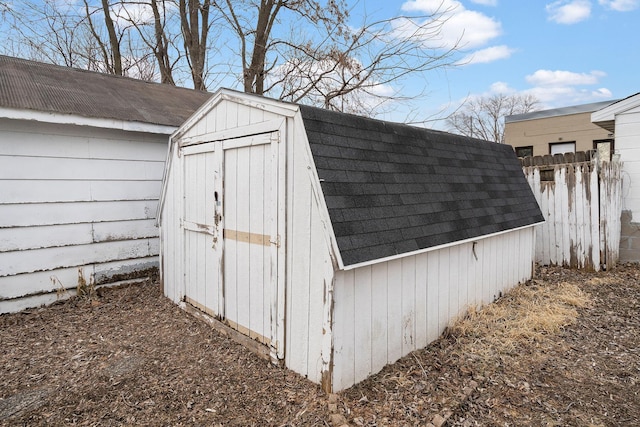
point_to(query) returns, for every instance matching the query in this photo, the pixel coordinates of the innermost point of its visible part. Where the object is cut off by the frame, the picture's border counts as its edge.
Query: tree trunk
(161, 49)
(195, 34)
(114, 42)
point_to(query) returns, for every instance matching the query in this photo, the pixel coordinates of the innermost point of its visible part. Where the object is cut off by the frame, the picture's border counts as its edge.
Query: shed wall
(309, 265)
(74, 198)
(627, 132)
(384, 311)
(188, 275)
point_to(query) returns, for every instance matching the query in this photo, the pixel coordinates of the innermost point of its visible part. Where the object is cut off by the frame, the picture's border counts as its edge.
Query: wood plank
(394, 310)
(18, 262)
(23, 238)
(444, 285)
(51, 168)
(362, 323)
(433, 297)
(379, 308)
(408, 295)
(259, 295)
(22, 215)
(46, 191)
(230, 206)
(246, 237)
(344, 332)
(253, 345)
(320, 276)
(52, 280)
(421, 303)
(299, 291)
(41, 140)
(454, 281)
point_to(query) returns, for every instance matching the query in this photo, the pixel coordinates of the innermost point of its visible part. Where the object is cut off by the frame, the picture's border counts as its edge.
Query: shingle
(37, 86)
(413, 188)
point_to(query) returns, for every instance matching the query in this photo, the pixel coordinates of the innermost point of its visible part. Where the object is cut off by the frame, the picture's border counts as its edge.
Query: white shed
(622, 119)
(340, 243)
(81, 162)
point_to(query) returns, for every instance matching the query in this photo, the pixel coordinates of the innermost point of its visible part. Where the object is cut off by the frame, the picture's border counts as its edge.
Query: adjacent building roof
(555, 112)
(29, 85)
(392, 188)
(606, 116)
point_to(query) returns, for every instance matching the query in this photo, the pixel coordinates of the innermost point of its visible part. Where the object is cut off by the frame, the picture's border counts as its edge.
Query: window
(562, 147)
(524, 151)
(604, 148)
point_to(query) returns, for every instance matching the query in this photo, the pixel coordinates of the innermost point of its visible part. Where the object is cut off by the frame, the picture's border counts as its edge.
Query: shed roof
(29, 85)
(392, 188)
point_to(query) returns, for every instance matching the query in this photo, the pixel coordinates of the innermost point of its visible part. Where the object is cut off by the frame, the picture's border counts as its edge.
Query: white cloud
(620, 5)
(467, 28)
(602, 92)
(561, 88)
(501, 87)
(556, 89)
(486, 2)
(487, 55)
(569, 12)
(559, 78)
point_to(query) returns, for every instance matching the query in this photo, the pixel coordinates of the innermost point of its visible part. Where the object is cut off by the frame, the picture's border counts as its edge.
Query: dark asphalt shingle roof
(393, 188)
(37, 86)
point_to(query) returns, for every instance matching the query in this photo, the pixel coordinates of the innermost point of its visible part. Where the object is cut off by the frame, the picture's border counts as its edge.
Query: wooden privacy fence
(580, 198)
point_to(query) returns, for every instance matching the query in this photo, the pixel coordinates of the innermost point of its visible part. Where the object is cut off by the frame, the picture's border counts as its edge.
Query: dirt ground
(131, 357)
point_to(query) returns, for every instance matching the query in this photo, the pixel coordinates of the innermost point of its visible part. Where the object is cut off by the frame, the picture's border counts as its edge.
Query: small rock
(337, 420)
(438, 420)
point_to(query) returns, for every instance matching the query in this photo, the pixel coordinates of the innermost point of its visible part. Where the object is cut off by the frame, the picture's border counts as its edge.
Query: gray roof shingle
(393, 188)
(30, 85)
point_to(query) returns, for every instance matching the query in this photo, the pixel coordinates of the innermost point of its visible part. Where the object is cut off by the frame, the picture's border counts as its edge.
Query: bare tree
(150, 19)
(44, 31)
(336, 66)
(483, 117)
(304, 51)
(110, 49)
(195, 25)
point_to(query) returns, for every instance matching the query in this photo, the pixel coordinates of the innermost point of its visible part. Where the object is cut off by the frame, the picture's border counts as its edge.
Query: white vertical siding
(628, 146)
(309, 268)
(74, 197)
(386, 310)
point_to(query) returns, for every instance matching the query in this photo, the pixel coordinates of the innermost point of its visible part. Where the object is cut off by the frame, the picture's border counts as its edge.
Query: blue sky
(564, 52)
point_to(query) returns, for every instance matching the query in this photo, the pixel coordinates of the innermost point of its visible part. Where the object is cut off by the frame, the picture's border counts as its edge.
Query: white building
(337, 243)
(622, 119)
(81, 162)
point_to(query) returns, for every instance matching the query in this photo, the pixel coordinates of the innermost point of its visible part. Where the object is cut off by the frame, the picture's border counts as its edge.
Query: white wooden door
(201, 224)
(250, 206)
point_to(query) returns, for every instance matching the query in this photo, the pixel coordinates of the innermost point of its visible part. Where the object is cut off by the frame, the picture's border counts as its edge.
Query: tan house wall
(540, 132)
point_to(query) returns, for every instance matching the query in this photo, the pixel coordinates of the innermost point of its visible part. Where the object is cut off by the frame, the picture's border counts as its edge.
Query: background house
(559, 130)
(338, 243)
(81, 162)
(622, 118)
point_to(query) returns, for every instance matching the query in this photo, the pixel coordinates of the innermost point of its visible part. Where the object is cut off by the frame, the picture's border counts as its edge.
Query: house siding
(384, 311)
(74, 199)
(627, 126)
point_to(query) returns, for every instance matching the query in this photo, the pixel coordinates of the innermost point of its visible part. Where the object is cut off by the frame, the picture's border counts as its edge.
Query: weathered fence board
(580, 197)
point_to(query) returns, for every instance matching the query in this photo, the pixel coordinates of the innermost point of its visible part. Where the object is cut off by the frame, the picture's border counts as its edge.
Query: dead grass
(530, 313)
